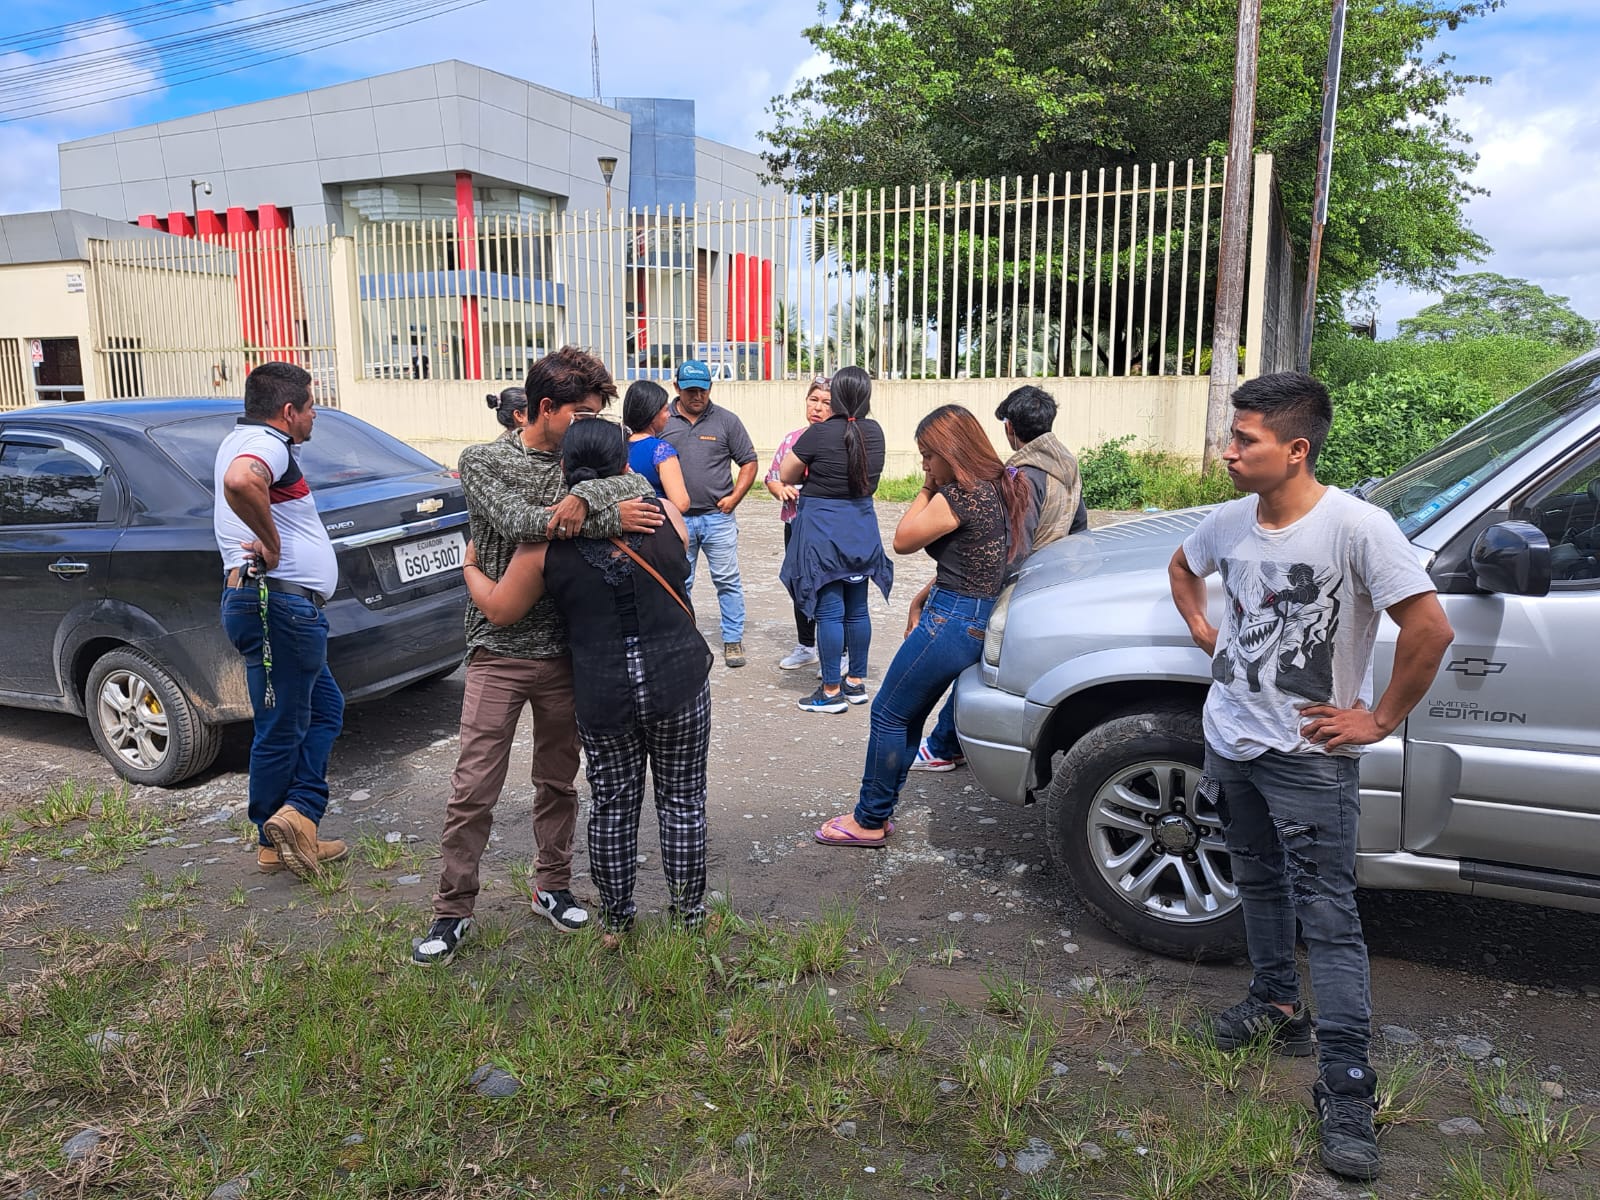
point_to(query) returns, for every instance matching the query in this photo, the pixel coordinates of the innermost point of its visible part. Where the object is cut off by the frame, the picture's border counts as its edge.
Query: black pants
(804, 627)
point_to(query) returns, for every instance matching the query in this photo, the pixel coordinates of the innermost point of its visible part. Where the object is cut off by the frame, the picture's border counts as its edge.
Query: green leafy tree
(921, 90)
(1489, 305)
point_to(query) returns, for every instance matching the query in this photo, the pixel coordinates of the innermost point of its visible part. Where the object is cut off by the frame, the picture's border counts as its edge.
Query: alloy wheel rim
(133, 720)
(1159, 845)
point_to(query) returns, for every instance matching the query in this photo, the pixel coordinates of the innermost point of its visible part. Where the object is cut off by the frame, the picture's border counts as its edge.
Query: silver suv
(1089, 692)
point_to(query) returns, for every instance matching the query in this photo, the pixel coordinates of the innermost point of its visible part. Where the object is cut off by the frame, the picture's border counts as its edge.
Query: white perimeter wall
(1165, 412)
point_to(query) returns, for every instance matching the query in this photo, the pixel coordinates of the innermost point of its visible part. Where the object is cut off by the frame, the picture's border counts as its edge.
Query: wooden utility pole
(1231, 253)
(1319, 201)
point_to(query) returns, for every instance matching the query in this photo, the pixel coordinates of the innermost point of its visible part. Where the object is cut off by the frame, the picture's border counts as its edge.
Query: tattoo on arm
(259, 469)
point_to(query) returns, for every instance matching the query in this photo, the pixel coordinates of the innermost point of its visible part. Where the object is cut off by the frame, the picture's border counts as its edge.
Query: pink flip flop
(843, 837)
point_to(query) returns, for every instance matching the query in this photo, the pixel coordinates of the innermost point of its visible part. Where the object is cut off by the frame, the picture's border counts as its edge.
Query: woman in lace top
(969, 517)
(640, 683)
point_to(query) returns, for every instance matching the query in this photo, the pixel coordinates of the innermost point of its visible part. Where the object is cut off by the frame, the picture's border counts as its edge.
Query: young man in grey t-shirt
(1307, 572)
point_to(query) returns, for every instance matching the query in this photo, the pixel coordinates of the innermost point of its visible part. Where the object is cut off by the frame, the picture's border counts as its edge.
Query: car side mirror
(1513, 558)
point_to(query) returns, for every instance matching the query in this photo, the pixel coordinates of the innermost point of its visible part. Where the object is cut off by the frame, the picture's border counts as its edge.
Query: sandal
(834, 834)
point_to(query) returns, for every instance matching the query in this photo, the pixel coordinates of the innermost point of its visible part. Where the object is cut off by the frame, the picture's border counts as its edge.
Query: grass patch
(379, 853)
(1111, 1002)
(1174, 1036)
(1532, 1125)
(99, 828)
(900, 490)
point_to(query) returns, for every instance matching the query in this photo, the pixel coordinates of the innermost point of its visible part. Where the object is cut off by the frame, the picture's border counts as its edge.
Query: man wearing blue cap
(710, 441)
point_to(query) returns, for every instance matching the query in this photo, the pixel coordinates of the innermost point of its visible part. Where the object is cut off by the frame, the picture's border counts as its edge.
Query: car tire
(1144, 852)
(143, 723)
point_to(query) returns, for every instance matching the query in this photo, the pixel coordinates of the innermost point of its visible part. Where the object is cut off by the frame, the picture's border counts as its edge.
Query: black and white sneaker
(1253, 1019)
(562, 909)
(443, 938)
(820, 702)
(1344, 1098)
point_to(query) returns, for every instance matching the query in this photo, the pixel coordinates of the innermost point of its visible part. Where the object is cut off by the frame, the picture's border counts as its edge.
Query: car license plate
(430, 556)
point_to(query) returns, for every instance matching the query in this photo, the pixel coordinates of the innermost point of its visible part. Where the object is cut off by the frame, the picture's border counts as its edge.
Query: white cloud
(29, 176)
(1538, 142)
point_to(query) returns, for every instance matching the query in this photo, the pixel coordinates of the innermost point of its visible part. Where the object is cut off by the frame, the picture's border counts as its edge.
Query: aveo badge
(431, 505)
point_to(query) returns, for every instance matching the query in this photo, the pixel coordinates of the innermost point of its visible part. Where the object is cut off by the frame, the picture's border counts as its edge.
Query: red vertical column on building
(467, 273)
(208, 224)
(150, 221)
(179, 223)
(278, 290)
(764, 317)
(738, 297)
(242, 241)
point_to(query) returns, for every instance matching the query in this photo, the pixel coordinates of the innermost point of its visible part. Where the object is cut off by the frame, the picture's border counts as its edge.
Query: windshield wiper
(1366, 485)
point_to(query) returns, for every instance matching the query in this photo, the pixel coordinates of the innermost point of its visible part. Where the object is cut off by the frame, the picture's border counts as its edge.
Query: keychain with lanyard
(251, 569)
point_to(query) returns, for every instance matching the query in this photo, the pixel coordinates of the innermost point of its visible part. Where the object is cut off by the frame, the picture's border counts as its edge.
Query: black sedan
(110, 575)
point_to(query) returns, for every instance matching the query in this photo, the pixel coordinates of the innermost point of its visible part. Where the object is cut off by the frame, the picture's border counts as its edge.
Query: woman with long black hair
(836, 549)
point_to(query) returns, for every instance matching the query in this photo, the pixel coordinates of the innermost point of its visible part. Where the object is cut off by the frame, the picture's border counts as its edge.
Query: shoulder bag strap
(654, 574)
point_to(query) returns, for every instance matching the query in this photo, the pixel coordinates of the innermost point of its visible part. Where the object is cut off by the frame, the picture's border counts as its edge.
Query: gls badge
(431, 505)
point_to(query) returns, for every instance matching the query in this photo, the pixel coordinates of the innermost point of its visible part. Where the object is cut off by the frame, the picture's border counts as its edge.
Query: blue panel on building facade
(675, 117)
(661, 152)
(462, 283)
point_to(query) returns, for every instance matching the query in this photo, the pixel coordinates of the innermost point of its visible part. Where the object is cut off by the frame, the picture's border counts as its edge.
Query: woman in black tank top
(640, 671)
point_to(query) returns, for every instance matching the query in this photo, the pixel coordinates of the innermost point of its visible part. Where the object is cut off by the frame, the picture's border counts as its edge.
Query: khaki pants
(497, 688)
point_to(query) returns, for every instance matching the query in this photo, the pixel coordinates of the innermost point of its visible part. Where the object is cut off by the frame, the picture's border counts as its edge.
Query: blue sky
(1537, 128)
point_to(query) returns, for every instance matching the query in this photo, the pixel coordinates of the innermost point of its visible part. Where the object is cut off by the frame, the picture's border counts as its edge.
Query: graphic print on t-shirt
(1284, 618)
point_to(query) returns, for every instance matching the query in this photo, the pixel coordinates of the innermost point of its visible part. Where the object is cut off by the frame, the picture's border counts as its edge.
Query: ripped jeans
(1290, 822)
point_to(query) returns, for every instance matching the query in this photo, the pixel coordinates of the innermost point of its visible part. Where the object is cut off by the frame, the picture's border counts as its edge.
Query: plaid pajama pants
(675, 747)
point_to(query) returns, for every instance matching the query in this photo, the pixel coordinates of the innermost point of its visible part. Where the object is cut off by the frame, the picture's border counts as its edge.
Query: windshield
(1474, 454)
(341, 450)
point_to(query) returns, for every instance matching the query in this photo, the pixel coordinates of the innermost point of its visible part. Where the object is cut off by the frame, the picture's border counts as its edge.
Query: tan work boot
(268, 861)
(294, 836)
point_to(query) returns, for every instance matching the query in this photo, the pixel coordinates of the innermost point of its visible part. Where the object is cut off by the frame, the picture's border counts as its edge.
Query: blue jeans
(842, 621)
(293, 738)
(947, 640)
(1290, 822)
(718, 534)
(943, 742)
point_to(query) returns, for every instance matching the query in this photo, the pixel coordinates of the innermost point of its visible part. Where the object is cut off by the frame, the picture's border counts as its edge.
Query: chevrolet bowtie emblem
(1475, 666)
(433, 504)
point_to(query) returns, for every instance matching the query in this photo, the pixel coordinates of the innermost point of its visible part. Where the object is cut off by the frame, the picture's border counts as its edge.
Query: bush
(1116, 477)
(1383, 422)
(1503, 365)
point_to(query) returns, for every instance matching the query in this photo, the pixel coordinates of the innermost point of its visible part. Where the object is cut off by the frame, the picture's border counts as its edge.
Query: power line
(194, 56)
(127, 18)
(154, 48)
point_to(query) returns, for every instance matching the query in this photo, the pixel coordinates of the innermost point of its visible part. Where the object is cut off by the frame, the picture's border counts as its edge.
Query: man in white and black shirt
(1308, 571)
(270, 534)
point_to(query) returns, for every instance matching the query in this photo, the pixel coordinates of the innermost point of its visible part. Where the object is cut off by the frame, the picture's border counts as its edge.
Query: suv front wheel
(1144, 849)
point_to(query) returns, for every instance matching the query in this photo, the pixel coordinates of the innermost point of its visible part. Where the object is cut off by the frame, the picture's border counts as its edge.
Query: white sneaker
(925, 761)
(800, 656)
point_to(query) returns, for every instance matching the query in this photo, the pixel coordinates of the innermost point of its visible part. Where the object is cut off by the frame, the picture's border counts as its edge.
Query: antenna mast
(594, 47)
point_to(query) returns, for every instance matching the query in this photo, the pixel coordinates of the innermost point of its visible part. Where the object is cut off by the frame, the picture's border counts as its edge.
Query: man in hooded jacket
(1028, 413)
